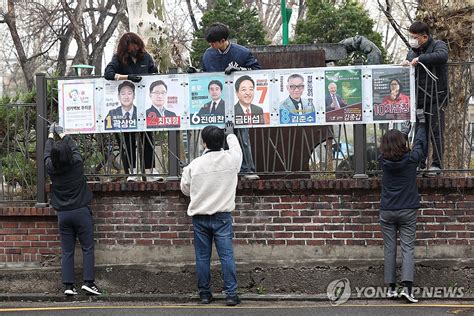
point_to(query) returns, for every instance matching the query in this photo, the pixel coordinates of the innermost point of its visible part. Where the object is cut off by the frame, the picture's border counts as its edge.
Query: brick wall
(147, 222)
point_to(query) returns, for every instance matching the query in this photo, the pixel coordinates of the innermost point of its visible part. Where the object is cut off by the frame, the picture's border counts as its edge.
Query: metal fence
(322, 152)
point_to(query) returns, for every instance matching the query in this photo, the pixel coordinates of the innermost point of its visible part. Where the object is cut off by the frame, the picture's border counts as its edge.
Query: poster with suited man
(296, 99)
(122, 111)
(343, 95)
(207, 105)
(252, 106)
(165, 98)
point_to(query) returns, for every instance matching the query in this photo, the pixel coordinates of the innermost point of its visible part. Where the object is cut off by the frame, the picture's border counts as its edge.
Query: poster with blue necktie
(164, 102)
(343, 99)
(296, 98)
(206, 100)
(119, 109)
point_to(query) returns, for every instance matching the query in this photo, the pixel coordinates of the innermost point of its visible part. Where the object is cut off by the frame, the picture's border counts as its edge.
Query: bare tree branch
(392, 21)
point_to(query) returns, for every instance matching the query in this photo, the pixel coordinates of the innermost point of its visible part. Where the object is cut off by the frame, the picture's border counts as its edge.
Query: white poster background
(77, 106)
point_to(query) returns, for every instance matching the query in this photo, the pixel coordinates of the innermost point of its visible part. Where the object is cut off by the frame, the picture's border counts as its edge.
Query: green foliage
(245, 27)
(19, 169)
(327, 23)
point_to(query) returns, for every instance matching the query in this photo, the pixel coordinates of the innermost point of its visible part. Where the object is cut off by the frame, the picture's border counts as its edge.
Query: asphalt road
(246, 308)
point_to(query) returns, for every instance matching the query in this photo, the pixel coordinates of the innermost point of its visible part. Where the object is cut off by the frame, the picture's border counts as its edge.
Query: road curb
(187, 298)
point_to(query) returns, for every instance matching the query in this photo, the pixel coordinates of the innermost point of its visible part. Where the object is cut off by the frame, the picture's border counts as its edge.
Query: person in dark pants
(431, 93)
(71, 197)
(229, 57)
(399, 203)
(128, 63)
(211, 182)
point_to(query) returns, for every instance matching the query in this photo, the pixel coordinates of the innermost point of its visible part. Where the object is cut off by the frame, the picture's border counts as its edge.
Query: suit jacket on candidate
(290, 106)
(254, 109)
(152, 109)
(220, 110)
(341, 101)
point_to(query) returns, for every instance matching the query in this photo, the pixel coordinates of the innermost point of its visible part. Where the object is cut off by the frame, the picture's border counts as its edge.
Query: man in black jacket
(432, 94)
(71, 197)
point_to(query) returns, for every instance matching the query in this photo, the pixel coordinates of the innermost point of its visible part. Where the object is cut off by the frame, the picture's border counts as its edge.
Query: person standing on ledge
(71, 197)
(128, 63)
(229, 57)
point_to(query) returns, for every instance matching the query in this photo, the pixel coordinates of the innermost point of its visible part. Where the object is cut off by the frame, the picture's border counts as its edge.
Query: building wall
(275, 220)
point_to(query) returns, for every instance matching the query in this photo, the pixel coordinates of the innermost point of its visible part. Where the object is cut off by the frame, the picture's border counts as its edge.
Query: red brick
(313, 242)
(302, 220)
(168, 235)
(291, 242)
(313, 227)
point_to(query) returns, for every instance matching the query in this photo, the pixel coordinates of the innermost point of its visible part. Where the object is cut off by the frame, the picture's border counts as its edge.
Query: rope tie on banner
(432, 76)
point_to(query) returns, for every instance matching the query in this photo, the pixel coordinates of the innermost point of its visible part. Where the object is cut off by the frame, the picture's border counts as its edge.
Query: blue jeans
(248, 165)
(76, 224)
(218, 227)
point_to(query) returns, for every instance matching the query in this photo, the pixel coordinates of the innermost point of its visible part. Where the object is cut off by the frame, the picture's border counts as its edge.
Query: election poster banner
(296, 99)
(343, 97)
(251, 100)
(391, 94)
(77, 105)
(119, 108)
(164, 102)
(207, 101)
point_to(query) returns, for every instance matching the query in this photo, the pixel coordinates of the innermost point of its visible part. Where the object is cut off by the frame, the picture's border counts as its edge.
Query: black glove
(420, 116)
(406, 127)
(58, 129)
(229, 128)
(191, 70)
(51, 128)
(134, 78)
(231, 68)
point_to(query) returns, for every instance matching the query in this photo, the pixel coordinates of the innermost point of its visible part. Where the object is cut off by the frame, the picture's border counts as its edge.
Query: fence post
(360, 151)
(41, 132)
(173, 146)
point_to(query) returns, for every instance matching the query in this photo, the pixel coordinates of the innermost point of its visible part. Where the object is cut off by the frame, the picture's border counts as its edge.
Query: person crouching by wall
(211, 182)
(399, 202)
(71, 197)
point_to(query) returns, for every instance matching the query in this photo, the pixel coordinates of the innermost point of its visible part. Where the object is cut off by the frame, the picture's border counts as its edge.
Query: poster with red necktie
(251, 99)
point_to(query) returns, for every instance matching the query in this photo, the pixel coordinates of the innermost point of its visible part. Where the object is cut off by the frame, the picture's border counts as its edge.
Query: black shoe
(91, 288)
(232, 300)
(70, 290)
(206, 299)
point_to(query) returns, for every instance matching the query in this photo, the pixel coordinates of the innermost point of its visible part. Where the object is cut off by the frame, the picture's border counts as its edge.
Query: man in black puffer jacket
(431, 94)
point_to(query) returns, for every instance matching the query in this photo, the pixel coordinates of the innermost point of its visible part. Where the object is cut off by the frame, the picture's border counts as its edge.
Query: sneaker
(392, 294)
(433, 171)
(232, 300)
(134, 179)
(409, 297)
(70, 290)
(251, 176)
(207, 299)
(153, 178)
(91, 288)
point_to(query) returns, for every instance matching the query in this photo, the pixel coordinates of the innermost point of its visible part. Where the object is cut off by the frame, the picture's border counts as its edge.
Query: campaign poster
(119, 109)
(164, 102)
(251, 100)
(296, 98)
(391, 93)
(343, 96)
(78, 106)
(207, 101)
